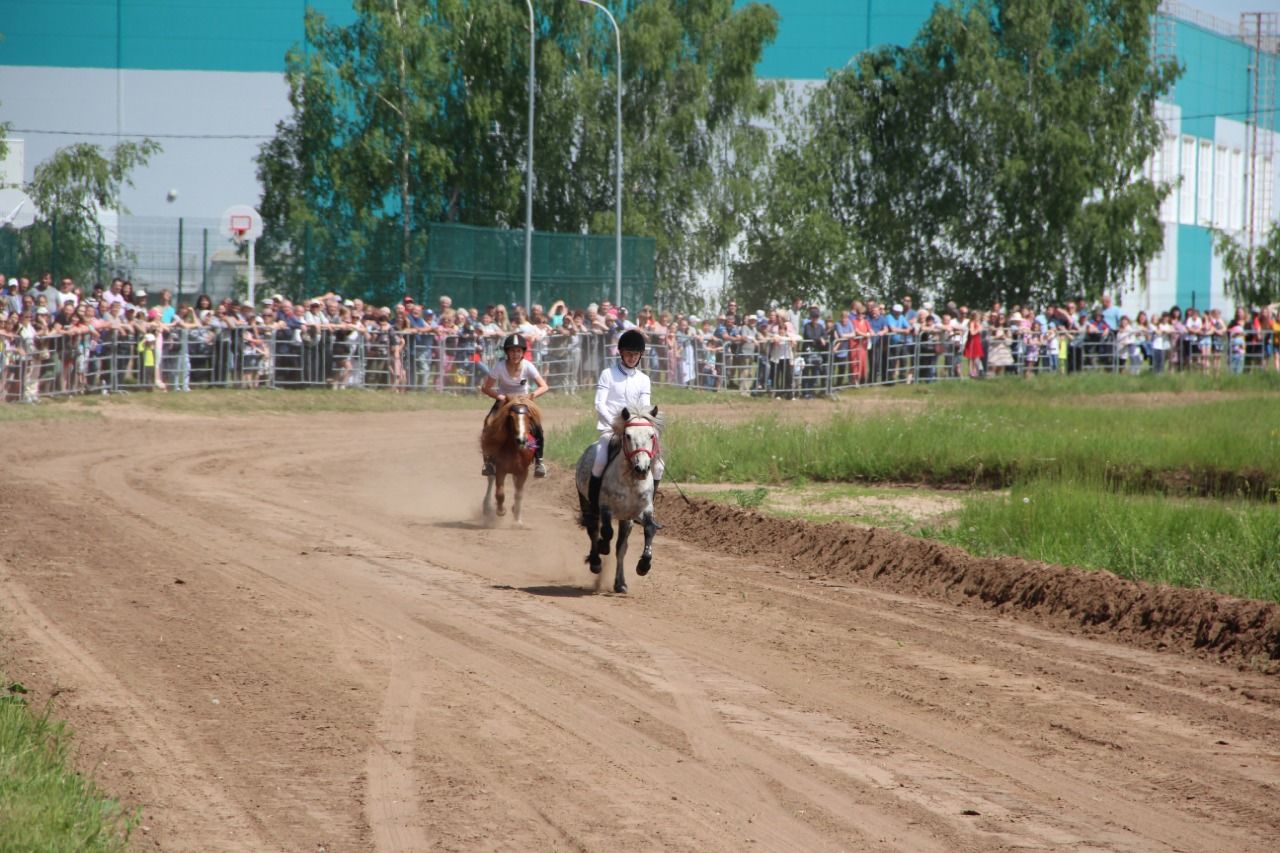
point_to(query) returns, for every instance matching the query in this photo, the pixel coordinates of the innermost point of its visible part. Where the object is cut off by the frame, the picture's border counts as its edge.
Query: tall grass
(1091, 462)
(44, 804)
(1228, 546)
(1050, 387)
(1206, 447)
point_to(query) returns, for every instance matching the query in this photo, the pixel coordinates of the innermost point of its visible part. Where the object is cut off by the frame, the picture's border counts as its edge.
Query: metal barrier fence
(179, 359)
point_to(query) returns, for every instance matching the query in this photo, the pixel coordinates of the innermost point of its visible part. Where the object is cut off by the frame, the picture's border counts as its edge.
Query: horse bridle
(651, 451)
(521, 411)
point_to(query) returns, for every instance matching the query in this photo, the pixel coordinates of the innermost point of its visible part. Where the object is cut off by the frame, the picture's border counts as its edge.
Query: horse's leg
(592, 523)
(488, 497)
(646, 556)
(519, 477)
(606, 531)
(500, 492)
(620, 576)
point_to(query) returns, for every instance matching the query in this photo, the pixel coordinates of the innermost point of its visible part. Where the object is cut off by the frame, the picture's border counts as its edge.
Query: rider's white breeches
(602, 457)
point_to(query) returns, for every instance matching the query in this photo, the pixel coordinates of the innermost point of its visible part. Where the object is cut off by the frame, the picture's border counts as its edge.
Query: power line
(217, 136)
(141, 135)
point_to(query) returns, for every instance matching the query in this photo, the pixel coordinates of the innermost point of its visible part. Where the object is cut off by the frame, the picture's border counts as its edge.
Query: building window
(1204, 184)
(1261, 210)
(1169, 174)
(1221, 182)
(1265, 206)
(1187, 189)
(1235, 198)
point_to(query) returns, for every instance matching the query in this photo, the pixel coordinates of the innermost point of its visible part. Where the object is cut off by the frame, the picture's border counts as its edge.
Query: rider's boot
(489, 469)
(539, 470)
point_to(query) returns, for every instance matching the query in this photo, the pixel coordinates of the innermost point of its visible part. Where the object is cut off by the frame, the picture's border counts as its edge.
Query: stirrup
(488, 470)
(539, 470)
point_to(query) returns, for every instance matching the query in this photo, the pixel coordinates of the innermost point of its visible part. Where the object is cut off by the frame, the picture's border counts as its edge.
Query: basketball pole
(252, 301)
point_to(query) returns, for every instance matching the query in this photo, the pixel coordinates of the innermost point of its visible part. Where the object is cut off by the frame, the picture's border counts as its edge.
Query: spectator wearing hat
(13, 296)
(744, 343)
(878, 345)
(899, 341)
(813, 333)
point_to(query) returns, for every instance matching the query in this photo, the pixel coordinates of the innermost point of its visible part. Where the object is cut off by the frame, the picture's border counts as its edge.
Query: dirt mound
(1092, 602)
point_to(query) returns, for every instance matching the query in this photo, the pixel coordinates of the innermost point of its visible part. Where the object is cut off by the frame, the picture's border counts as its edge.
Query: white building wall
(210, 124)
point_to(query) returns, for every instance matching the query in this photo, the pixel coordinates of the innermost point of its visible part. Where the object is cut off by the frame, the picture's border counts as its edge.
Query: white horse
(626, 491)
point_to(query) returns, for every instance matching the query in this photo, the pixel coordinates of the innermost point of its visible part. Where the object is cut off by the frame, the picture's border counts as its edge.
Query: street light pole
(528, 176)
(617, 264)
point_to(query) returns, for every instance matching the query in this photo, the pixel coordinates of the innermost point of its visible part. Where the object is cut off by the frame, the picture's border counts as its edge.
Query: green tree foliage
(1251, 281)
(70, 190)
(998, 157)
(417, 112)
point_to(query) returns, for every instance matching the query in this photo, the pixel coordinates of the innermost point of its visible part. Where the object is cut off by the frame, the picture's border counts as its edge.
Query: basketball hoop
(243, 224)
(240, 226)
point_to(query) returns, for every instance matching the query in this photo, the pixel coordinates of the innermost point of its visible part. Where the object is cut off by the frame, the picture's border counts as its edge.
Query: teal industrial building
(205, 80)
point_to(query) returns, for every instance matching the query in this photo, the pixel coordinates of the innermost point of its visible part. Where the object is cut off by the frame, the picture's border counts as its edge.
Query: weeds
(44, 804)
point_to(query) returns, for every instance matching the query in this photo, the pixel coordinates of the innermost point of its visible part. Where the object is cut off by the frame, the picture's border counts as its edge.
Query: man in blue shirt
(879, 345)
(899, 342)
(1110, 313)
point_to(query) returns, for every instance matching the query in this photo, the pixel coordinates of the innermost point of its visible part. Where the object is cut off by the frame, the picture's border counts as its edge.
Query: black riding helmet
(631, 341)
(514, 341)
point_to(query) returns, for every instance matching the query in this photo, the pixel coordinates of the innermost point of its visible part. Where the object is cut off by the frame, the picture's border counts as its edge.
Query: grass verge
(1227, 546)
(44, 804)
(1091, 462)
(1211, 447)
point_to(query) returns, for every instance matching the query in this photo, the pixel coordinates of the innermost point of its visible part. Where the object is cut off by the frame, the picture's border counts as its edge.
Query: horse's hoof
(620, 588)
(501, 511)
(642, 567)
(594, 563)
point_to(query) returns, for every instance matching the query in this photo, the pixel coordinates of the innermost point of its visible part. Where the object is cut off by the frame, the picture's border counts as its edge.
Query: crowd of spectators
(62, 339)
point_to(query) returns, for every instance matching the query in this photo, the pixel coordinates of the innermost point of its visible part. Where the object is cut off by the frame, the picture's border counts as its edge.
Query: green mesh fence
(475, 266)
(483, 266)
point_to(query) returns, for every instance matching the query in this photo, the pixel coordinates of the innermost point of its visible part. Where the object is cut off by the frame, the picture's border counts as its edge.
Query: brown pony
(508, 439)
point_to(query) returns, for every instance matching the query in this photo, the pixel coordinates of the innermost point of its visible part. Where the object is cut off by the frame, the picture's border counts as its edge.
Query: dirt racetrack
(293, 633)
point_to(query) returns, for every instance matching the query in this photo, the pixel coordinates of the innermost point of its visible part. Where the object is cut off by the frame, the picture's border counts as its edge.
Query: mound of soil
(1091, 602)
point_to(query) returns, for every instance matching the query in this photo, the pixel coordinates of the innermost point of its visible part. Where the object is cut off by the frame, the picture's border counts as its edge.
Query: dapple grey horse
(626, 491)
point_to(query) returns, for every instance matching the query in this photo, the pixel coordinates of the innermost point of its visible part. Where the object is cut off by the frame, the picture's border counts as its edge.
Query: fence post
(53, 246)
(179, 257)
(306, 262)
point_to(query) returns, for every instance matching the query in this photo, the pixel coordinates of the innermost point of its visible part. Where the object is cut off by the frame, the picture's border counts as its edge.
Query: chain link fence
(178, 358)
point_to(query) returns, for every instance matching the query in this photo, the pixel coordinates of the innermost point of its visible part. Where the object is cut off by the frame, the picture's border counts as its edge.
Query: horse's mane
(498, 427)
(620, 421)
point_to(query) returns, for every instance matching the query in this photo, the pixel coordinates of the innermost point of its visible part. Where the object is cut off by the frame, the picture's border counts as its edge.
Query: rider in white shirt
(510, 378)
(622, 385)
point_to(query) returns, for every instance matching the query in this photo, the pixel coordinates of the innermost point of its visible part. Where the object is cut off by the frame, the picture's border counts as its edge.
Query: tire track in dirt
(159, 750)
(406, 679)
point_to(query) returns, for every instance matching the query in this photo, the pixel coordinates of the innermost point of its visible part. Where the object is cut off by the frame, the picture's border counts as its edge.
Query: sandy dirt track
(293, 633)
